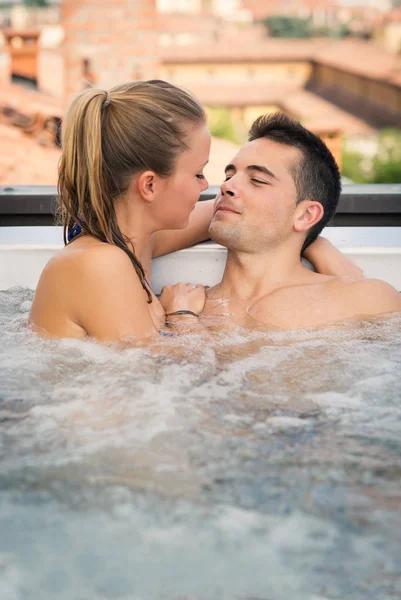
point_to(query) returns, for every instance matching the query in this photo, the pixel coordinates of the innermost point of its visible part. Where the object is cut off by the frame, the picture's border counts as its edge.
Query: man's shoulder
(354, 285)
(326, 299)
(366, 296)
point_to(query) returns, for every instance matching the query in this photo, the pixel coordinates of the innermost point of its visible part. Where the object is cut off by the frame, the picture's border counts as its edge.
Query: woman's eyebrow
(261, 169)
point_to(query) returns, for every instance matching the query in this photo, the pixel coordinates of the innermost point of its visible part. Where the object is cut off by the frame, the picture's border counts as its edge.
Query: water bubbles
(245, 465)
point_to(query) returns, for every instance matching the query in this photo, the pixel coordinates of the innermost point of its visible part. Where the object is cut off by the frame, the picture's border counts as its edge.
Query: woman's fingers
(183, 296)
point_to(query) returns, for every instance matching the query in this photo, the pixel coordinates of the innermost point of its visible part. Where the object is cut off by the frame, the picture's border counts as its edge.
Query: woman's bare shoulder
(88, 286)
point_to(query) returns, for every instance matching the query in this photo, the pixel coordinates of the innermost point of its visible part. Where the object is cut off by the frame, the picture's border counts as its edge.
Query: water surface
(251, 466)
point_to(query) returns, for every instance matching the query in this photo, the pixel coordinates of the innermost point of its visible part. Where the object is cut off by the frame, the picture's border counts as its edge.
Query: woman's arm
(328, 260)
(164, 242)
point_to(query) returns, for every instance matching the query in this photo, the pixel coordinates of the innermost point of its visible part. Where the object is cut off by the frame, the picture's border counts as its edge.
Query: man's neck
(251, 276)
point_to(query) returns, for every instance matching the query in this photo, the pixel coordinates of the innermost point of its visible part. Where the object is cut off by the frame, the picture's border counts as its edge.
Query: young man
(280, 190)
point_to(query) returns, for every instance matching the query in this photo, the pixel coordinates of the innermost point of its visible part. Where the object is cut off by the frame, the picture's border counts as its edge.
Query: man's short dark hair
(316, 175)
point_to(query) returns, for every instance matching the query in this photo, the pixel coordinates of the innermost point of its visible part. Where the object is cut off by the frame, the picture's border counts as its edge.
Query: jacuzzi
(243, 464)
(24, 251)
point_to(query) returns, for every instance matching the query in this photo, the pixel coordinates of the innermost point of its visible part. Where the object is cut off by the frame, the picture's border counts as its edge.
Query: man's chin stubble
(225, 236)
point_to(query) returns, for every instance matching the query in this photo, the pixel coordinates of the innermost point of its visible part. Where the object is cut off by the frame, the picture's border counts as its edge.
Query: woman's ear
(307, 214)
(144, 184)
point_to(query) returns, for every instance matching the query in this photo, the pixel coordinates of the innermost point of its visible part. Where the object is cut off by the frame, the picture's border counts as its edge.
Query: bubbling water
(241, 465)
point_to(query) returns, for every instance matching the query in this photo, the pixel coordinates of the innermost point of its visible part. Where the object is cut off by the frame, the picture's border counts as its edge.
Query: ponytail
(82, 185)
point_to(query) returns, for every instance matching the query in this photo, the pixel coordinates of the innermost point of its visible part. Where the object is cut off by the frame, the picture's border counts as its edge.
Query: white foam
(244, 447)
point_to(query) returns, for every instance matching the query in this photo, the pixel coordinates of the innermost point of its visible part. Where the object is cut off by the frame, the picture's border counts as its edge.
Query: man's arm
(328, 260)
(164, 242)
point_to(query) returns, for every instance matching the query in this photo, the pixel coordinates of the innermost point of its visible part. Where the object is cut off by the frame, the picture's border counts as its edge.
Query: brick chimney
(108, 42)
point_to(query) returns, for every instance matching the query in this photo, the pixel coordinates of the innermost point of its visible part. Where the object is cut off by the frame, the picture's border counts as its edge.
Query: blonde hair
(109, 136)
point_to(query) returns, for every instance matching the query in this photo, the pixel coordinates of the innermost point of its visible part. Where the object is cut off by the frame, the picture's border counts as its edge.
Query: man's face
(255, 208)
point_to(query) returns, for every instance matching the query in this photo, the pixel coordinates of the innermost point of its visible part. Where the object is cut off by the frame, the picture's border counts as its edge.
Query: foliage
(355, 167)
(337, 31)
(222, 125)
(387, 162)
(36, 3)
(280, 26)
(288, 27)
(384, 167)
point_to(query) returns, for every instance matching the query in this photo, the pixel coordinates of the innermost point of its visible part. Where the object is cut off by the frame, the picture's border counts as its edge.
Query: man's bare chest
(294, 307)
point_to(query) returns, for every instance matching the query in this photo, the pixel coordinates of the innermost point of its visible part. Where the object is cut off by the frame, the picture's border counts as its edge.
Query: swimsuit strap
(74, 232)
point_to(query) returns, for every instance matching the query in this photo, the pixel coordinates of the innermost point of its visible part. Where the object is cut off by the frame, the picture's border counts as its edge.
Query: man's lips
(226, 208)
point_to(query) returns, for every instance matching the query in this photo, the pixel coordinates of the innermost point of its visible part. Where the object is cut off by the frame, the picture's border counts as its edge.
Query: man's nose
(227, 188)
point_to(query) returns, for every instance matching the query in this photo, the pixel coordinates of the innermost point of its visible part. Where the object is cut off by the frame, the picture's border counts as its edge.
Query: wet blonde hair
(109, 136)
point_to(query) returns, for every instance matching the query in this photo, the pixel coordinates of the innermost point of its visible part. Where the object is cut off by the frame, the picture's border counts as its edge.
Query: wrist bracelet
(182, 312)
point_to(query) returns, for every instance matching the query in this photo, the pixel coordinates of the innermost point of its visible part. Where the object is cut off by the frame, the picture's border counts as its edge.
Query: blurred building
(221, 8)
(22, 46)
(322, 12)
(350, 83)
(116, 44)
(331, 86)
(387, 31)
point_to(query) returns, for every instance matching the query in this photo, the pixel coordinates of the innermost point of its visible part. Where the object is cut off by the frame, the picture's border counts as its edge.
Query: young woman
(129, 180)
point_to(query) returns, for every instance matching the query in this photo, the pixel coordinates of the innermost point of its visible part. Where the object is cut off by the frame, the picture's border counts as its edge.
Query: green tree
(338, 31)
(387, 162)
(288, 27)
(384, 167)
(222, 125)
(355, 167)
(36, 3)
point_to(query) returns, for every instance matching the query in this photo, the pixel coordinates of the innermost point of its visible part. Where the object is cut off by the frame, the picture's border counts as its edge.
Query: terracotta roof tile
(29, 101)
(227, 94)
(23, 161)
(319, 114)
(360, 57)
(255, 50)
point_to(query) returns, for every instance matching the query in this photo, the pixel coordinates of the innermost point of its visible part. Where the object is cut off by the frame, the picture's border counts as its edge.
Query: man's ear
(145, 185)
(307, 214)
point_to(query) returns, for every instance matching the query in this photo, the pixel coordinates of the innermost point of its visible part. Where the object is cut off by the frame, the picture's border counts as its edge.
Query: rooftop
(351, 55)
(315, 112)
(23, 161)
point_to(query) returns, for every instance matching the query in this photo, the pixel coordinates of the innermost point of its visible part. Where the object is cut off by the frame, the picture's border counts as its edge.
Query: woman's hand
(183, 296)
(328, 260)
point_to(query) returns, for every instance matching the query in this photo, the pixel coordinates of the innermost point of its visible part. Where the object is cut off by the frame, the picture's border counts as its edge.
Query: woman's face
(181, 190)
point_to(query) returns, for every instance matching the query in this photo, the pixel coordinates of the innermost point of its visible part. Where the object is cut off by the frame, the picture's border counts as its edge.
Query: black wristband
(182, 312)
